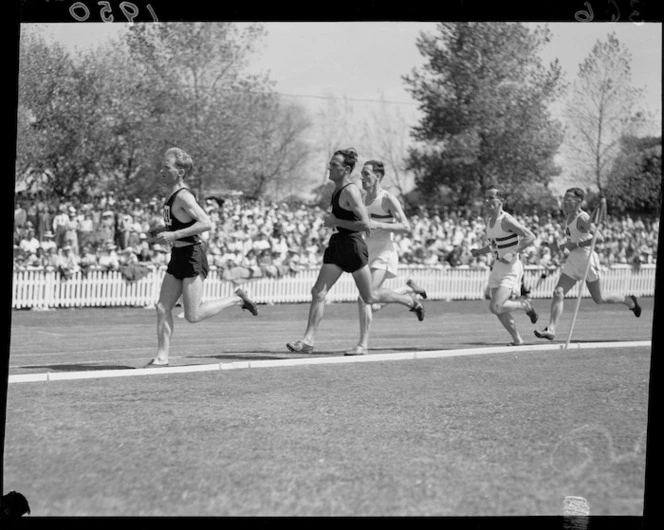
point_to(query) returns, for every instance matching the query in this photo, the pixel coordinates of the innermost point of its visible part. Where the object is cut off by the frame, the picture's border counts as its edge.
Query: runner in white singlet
(387, 218)
(579, 235)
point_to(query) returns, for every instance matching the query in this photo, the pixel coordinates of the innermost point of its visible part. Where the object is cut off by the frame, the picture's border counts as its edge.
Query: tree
(196, 76)
(601, 109)
(387, 132)
(102, 119)
(634, 183)
(58, 118)
(277, 150)
(484, 95)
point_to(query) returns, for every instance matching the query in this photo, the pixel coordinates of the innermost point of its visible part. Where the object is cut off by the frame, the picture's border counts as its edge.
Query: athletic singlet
(574, 235)
(376, 211)
(500, 240)
(342, 213)
(173, 223)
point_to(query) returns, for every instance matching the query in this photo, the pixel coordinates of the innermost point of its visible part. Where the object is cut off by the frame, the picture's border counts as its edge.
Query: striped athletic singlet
(500, 240)
(377, 212)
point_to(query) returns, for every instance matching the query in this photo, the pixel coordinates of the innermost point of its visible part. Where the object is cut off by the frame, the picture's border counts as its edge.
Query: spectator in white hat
(48, 241)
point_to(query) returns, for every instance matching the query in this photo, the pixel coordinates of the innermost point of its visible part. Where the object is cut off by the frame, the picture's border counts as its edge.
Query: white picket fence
(40, 289)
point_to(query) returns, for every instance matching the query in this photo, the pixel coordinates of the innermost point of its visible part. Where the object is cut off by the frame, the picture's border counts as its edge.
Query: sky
(365, 61)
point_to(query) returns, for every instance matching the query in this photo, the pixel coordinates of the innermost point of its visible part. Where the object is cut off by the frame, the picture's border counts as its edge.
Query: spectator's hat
(110, 245)
(66, 247)
(107, 213)
(142, 235)
(48, 234)
(158, 248)
(71, 209)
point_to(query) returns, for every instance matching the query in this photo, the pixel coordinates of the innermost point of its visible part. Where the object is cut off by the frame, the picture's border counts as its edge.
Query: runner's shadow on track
(79, 367)
(261, 355)
(397, 350)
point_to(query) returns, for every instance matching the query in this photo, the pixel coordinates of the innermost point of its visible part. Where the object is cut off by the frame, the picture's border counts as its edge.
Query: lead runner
(185, 220)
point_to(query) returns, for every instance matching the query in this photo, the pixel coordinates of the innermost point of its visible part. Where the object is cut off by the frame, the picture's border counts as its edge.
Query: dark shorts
(348, 252)
(188, 262)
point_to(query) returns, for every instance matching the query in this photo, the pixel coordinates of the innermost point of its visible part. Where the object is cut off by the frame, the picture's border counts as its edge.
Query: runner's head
(349, 157)
(180, 159)
(372, 173)
(494, 198)
(572, 199)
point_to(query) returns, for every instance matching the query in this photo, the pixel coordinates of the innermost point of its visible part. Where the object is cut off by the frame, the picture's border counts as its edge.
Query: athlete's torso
(173, 223)
(574, 235)
(501, 240)
(342, 213)
(379, 213)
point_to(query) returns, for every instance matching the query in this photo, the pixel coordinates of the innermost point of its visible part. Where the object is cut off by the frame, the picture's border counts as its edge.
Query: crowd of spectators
(253, 238)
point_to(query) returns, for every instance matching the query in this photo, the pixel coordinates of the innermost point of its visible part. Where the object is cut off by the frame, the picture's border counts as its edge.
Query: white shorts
(506, 275)
(575, 266)
(383, 257)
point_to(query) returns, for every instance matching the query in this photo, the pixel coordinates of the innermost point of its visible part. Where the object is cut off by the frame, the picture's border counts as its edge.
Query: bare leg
(194, 309)
(327, 277)
(607, 298)
(411, 287)
(363, 281)
(507, 320)
(565, 283)
(366, 310)
(499, 300)
(171, 288)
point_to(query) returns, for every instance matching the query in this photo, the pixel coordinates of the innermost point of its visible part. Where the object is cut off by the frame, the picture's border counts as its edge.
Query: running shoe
(300, 347)
(153, 364)
(530, 311)
(246, 302)
(544, 334)
(416, 288)
(418, 309)
(637, 308)
(357, 350)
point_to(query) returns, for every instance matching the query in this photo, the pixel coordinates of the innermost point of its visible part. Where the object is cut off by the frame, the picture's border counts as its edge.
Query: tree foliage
(59, 118)
(601, 108)
(102, 119)
(634, 183)
(483, 92)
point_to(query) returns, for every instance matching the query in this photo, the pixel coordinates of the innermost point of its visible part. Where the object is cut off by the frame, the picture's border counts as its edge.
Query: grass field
(509, 433)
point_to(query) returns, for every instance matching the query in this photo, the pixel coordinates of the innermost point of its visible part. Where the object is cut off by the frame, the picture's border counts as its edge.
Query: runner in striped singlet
(507, 237)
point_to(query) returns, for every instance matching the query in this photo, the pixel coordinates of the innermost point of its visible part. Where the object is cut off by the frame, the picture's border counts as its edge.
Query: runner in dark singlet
(346, 252)
(188, 267)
